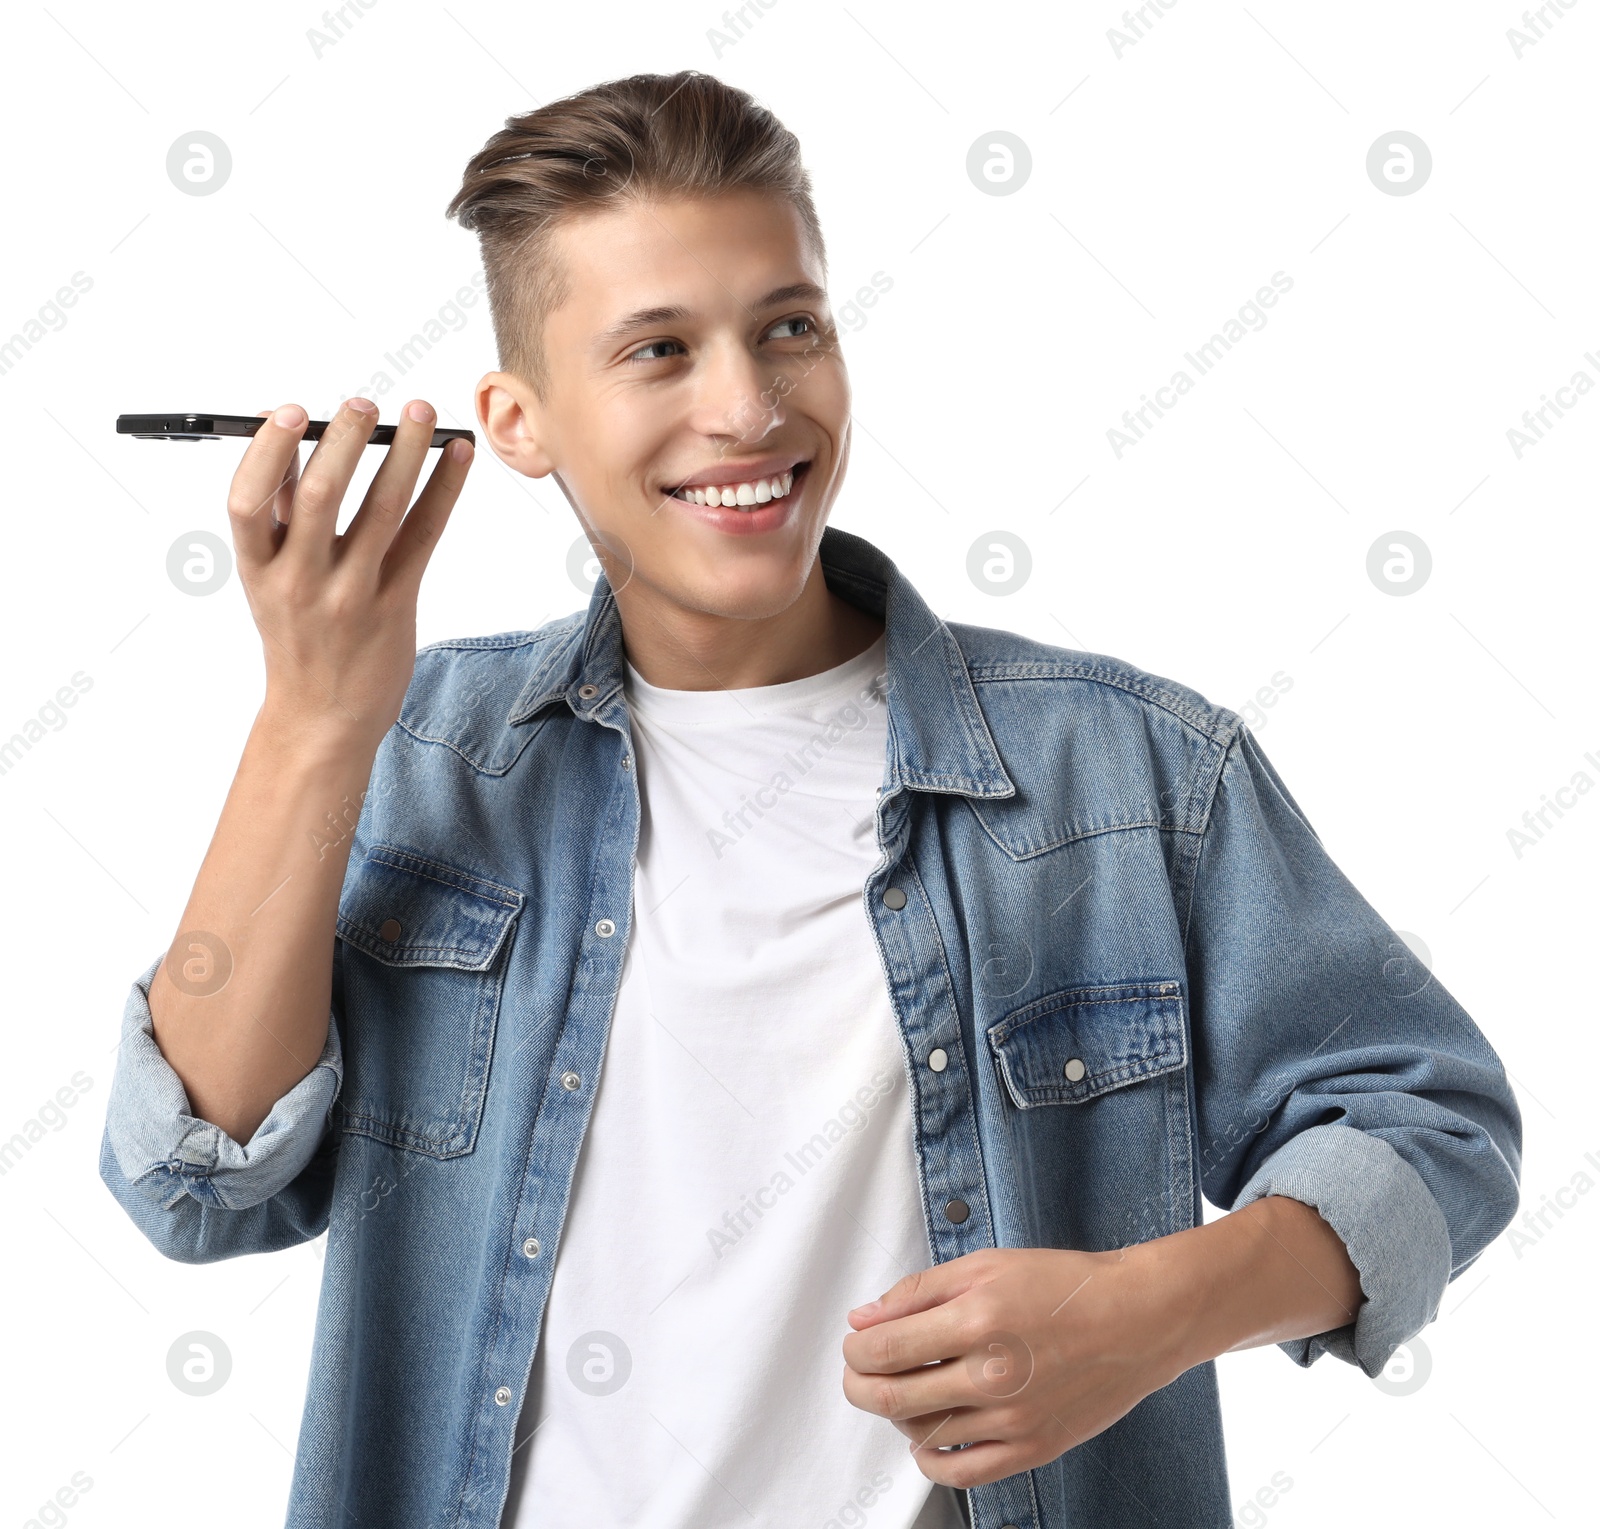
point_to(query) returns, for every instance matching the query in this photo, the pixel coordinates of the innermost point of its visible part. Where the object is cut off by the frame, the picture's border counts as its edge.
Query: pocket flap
(405, 910)
(1083, 1041)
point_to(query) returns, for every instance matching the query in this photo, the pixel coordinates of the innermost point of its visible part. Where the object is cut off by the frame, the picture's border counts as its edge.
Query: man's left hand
(1019, 1353)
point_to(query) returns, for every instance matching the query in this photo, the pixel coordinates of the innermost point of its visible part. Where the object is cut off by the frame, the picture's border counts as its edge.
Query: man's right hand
(337, 616)
(338, 613)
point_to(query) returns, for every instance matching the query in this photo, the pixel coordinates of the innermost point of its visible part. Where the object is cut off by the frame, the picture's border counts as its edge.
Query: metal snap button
(502, 1396)
(588, 692)
(1074, 1070)
(894, 898)
(570, 1080)
(938, 1059)
(389, 930)
(530, 1248)
(605, 929)
(956, 1210)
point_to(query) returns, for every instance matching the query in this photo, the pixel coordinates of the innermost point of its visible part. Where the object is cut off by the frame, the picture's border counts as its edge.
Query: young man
(753, 944)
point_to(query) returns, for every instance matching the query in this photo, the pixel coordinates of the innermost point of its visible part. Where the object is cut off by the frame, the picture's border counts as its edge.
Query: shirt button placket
(955, 1211)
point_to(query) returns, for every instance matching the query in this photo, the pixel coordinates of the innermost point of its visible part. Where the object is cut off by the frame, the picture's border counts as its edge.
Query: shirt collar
(939, 740)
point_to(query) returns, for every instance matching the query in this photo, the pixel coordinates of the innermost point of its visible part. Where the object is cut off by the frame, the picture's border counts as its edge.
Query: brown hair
(625, 141)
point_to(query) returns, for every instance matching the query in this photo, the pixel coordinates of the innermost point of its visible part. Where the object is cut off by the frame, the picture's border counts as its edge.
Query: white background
(1228, 546)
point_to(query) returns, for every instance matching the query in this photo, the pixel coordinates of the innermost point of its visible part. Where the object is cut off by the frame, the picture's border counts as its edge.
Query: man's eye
(651, 351)
(643, 352)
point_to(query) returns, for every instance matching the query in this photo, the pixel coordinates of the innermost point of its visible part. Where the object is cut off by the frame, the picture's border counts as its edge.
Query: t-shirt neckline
(848, 678)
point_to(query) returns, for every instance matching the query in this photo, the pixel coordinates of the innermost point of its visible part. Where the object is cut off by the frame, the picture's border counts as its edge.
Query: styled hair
(630, 141)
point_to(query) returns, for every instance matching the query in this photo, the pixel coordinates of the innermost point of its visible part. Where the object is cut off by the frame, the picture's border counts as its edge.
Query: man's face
(696, 350)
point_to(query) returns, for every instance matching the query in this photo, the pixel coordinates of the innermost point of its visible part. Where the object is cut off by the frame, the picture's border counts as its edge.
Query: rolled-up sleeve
(190, 1187)
(1333, 1067)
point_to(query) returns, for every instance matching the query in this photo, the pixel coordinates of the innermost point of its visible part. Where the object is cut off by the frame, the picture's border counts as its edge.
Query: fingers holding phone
(394, 545)
(419, 533)
(261, 495)
(337, 613)
(283, 500)
(324, 480)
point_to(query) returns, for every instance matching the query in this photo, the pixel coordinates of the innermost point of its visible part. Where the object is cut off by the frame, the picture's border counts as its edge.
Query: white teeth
(742, 495)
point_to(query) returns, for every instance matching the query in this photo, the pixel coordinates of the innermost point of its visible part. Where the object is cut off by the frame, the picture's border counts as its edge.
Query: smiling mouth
(747, 494)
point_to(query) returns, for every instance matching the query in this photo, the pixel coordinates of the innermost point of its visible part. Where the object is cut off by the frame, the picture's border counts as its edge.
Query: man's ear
(514, 423)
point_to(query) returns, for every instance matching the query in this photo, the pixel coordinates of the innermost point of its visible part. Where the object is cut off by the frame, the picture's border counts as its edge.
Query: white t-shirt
(749, 1173)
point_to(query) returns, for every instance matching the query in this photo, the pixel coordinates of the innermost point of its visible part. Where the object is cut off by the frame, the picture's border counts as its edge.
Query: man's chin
(737, 589)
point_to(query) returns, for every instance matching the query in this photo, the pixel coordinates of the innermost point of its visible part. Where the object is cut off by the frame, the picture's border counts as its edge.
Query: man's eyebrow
(648, 318)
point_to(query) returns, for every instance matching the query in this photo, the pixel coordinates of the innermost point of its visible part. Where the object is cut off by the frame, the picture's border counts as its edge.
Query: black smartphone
(211, 427)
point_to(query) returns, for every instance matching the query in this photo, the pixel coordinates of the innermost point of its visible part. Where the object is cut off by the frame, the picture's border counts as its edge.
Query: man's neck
(676, 648)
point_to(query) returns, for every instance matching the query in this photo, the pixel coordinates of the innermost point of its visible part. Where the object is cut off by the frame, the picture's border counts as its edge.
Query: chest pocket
(1082, 1042)
(422, 964)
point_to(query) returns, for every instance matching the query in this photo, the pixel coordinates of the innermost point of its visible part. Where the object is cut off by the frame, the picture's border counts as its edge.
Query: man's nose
(739, 396)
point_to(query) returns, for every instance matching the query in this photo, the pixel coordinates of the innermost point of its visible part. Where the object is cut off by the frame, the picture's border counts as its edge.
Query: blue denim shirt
(1095, 896)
